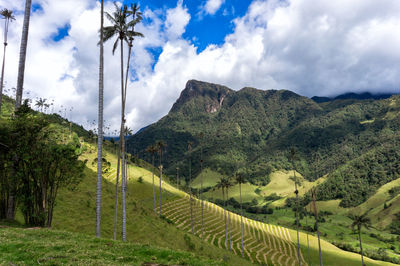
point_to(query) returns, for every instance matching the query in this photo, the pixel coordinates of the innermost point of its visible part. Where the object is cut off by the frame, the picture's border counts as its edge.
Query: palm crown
(124, 29)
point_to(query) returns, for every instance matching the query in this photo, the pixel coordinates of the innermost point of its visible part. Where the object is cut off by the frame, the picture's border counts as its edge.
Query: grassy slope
(75, 211)
(26, 246)
(337, 226)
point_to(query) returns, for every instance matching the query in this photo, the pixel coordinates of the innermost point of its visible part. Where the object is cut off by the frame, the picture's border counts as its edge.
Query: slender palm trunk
(241, 217)
(100, 128)
(201, 192)
(154, 191)
(313, 193)
(190, 193)
(359, 237)
(6, 23)
(22, 54)
(229, 222)
(123, 145)
(226, 228)
(160, 181)
(116, 191)
(308, 243)
(297, 217)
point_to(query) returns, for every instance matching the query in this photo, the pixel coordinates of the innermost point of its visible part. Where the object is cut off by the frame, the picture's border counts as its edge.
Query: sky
(321, 48)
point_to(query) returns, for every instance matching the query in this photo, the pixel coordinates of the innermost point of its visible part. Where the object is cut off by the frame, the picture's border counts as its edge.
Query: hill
(254, 130)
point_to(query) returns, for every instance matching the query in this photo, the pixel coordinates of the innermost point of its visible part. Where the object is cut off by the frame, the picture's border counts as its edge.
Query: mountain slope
(254, 130)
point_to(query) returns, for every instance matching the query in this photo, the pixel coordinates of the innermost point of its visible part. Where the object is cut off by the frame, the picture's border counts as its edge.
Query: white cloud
(212, 6)
(312, 48)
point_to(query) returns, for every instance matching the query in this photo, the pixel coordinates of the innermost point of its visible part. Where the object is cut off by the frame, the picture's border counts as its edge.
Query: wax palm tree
(22, 54)
(201, 184)
(314, 199)
(152, 149)
(8, 17)
(190, 183)
(100, 126)
(240, 180)
(360, 221)
(228, 184)
(40, 103)
(222, 185)
(123, 29)
(160, 147)
(293, 157)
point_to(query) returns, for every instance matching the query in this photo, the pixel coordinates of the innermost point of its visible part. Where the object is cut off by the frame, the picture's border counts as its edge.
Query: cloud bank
(312, 48)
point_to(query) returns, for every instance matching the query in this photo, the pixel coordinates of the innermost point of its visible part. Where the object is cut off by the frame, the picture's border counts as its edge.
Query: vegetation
(258, 128)
(36, 166)
(49, 247)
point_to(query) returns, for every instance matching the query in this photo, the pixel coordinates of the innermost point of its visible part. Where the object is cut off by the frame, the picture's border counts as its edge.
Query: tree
(160, 146)
(314, 198)
(153, 150)
(360, 221)
(222, 185)
(240, 180)
(100, 125)
(201, 184)
(190, 182)
(228, 184)
(293, 157)
(22, 54)
(8, 16)
(124, 30)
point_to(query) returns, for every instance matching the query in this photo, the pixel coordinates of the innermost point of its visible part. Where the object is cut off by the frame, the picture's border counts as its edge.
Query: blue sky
(322, 48)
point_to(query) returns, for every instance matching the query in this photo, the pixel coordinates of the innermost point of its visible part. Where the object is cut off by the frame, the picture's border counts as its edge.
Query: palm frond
(115, 46)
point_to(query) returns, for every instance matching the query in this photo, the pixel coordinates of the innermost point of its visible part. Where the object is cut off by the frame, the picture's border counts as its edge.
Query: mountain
(352, 95)
(254, 130)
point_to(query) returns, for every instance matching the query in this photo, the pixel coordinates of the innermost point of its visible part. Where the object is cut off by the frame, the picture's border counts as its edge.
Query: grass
(31, 246)
(75, 211)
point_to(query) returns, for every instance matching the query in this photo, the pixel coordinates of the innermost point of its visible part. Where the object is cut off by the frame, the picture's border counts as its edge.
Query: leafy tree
(44, 164)
(8, 17)
(360, 221)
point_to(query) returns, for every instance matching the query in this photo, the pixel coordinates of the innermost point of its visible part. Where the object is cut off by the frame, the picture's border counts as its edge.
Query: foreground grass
(50, 247)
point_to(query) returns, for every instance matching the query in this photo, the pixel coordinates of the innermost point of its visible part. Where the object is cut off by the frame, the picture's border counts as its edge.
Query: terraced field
(263, 243)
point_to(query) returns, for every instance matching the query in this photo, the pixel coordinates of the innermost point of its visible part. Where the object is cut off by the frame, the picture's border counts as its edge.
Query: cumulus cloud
(212, 6)
(312, 48)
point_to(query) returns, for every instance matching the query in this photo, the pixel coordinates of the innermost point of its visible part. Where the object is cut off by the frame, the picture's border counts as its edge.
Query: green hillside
(254, 130)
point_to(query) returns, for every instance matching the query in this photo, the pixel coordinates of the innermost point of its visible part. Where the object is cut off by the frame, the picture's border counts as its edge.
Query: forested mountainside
(352, 141)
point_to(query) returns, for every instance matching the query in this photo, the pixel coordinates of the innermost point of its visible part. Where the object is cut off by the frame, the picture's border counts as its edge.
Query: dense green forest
(352, 141)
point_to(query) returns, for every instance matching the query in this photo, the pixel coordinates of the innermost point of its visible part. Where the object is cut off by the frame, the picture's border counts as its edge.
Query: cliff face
(202, 96)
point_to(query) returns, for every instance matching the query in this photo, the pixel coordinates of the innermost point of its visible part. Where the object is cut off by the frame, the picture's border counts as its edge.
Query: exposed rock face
(210, 96)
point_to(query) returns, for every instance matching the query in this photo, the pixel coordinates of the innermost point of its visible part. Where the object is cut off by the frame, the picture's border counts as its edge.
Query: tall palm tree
(240, 180)
(201, 184)
(8, 17)
(100, 126)
(116, 189)
(293, 157)
(152, 149)
(360, 221)
(228, 184)
(314, 198)
(123, 29)
(160, 146)
(22, 54)
(190, 182)
(222, 185)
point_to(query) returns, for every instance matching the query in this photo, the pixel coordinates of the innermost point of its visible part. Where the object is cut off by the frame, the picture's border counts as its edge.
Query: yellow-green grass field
(75, 211)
